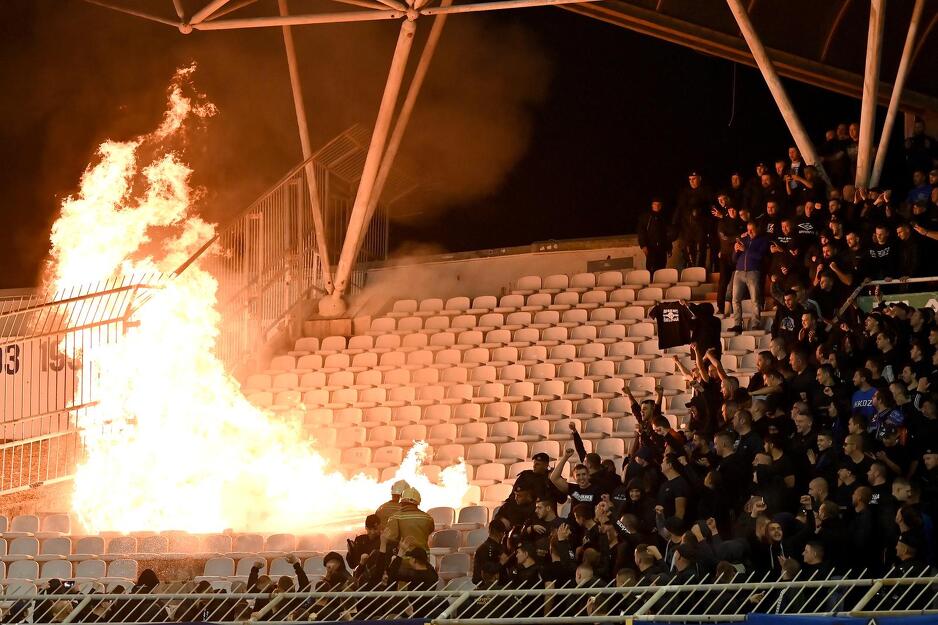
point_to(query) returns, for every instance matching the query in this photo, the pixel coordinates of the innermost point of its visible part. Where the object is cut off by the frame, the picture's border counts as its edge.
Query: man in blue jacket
(750, 253)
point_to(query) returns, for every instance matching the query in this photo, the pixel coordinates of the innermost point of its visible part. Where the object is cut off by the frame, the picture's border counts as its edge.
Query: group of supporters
(793, 229)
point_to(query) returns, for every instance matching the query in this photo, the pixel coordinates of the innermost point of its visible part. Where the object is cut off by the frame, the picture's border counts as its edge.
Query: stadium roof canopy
(822, 43)
(847, 46)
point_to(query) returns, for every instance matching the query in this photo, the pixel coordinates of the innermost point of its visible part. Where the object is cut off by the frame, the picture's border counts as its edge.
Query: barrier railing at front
(909, 291)
(723, 600)
(46, 383)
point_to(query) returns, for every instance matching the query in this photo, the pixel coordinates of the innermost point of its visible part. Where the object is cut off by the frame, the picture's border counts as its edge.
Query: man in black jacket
(654, 237)
(693, 220)
(729, 228)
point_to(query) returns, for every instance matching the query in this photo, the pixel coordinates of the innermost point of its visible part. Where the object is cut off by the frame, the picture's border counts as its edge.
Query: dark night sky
(542, 123)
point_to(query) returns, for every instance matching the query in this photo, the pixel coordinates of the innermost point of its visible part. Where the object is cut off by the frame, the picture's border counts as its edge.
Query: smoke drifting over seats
(81, 73)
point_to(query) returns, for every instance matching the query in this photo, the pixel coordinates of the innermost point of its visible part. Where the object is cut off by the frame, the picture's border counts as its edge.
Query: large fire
(172, 442)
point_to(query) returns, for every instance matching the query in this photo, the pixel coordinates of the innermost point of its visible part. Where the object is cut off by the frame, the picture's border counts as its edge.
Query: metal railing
(710, 600)
(45, 386)
(266, 259)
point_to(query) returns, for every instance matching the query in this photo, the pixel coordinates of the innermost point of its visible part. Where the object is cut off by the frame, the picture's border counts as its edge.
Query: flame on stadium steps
(172, 443)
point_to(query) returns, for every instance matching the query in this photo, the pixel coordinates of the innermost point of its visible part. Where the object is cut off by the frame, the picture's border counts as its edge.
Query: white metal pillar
(357, 224)
(905, 63)
(874, 48)
(301, 122)
(795, 127)
(400, 126)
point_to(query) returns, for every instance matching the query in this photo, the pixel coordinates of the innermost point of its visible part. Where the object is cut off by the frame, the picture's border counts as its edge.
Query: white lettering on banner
(670, 316)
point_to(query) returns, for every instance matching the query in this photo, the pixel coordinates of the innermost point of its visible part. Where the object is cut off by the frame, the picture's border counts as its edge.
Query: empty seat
(637, 278)
(90, 569)
(121, 569)
(217, 567)
(404, 306)
(430, 306)
(480, 453)
(56, 548)
(582, 281)
(54, 525)
(496, 493)
(488, 474)
(454, 565)
(527, 284)
(667, 276)
(443, 516)
(22, 548)
(56, 569)
(555, 283)
(471, 517)
(153, 545)
(23, 569)
(87, 548)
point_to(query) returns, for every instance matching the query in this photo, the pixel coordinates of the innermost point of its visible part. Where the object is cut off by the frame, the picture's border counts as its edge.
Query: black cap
(541, 457)
(928, 451)
(419, 554)
(693, 172)
(372, 521)
(332, 555)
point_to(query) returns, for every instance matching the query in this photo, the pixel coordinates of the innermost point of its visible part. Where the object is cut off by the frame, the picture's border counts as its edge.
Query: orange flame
(172, 442)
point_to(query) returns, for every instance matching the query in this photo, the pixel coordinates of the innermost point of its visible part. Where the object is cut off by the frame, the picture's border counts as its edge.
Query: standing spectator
(921, 150)
(411, 522)
(921, 189)
(750, 253)
(693, 220)
(728, 230)
(654, 237)
(582, 491)
(910, 244)
(674, 493)
(883, 255)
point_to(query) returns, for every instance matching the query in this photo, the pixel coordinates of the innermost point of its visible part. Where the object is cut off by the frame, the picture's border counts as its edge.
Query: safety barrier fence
(912, 291)
(723, 600)
(46, 383)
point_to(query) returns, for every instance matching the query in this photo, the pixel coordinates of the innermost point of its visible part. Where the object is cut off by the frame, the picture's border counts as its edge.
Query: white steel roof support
(874, 48)
(332, 306)
(795, 127)
(905, 63)
(403, 118)
(206, 11)
(303, 128)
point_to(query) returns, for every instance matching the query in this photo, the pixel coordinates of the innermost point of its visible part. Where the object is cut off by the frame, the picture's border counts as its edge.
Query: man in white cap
(411, 522)
(392, 507)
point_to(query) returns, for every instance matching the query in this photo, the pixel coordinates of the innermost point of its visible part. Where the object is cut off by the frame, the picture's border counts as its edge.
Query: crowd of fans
(824, 464)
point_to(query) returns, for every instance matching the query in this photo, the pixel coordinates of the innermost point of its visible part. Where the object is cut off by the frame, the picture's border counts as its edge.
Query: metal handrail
(454, 606)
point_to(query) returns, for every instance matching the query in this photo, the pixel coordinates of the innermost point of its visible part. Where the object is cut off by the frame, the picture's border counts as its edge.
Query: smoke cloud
(81, 74)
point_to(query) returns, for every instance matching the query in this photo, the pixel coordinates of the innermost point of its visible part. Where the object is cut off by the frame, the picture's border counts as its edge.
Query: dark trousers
(656, 259)
(695, 253)
(727, 267)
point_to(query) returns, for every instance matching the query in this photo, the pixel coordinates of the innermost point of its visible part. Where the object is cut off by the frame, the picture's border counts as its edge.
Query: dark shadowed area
(533, 124)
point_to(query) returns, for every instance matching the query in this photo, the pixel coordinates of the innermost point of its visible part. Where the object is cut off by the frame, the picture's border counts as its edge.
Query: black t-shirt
(589, 495)
(670, 491)
(674, 324)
